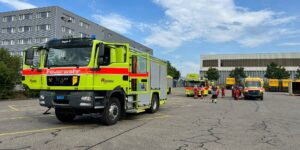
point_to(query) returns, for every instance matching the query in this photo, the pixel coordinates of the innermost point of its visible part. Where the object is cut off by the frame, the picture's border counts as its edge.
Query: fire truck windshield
(70, 56)
(253, 84)
(193, 83)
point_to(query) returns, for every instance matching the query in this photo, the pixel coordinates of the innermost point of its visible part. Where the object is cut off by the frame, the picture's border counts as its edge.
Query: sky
(180, 31)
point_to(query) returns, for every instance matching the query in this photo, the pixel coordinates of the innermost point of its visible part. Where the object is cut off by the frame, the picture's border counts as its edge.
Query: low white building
(255, 65)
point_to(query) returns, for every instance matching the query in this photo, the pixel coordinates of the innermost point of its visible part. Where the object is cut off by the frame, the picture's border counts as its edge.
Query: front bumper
(253, 94)
(191, 92)
(71, 99)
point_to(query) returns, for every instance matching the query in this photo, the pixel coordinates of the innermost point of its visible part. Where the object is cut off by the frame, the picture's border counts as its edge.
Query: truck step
(135, 111)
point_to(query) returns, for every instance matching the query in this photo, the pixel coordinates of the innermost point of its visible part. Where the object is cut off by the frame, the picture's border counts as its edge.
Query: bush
(9, 73)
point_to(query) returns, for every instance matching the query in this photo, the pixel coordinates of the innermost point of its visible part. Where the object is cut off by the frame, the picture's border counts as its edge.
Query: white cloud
(187, 67)
(290, 44)
(18, 4)
(114, 22)
(215, 21)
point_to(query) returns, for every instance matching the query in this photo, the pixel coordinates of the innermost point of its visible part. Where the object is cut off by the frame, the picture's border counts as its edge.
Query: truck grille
(254, 92)
(63, 80)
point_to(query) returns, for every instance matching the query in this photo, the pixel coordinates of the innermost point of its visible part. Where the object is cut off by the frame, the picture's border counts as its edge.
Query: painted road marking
(36, 131)
(24, 117)
(158, 117)
(66, 127)
(13, 107)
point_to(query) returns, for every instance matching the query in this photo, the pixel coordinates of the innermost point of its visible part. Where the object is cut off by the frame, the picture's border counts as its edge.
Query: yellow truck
(230, 82)
(192, 80)
(253, 88)
(79, 76)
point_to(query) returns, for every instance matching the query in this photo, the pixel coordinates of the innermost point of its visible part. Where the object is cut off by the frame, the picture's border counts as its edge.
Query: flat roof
(251, 56)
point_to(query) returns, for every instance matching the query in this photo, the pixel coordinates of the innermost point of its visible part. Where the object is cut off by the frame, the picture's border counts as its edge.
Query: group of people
(215, 91)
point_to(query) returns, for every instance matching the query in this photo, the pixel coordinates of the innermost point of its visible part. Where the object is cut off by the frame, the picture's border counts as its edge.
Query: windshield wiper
(67, 65)
(71, 65)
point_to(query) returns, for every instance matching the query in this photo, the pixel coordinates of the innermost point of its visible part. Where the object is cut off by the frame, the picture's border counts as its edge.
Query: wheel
(246, 97)
(262, 98)
(154, 104)
(63, 116)
(112, 111)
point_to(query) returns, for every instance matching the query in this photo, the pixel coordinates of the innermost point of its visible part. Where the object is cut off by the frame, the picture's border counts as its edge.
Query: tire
(154, 104)
(262, 98)
(112, 112)
(63, 116)
(246, 98)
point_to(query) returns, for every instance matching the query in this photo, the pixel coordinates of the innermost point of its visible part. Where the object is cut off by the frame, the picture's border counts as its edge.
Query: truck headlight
(86, 98)
(42, 97)
(246, 90)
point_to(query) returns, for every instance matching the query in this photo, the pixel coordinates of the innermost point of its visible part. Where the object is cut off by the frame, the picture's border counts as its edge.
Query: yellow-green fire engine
(82, 75)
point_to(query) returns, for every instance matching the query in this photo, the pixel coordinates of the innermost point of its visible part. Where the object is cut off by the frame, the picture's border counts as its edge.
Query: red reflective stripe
(112, 71)
(138, 75)
(31, 72)
(82, 71)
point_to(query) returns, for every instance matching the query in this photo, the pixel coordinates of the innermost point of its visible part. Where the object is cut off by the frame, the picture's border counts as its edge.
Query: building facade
(255, 65)
(24, 28)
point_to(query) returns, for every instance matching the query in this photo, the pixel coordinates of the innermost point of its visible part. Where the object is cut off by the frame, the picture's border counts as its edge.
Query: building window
(12, 42)
(28, 41)
(8, 18)
(83, 24)
(25, 16)
(44, 27)
(42, 40)
(25, 29)
(210, 63)
(67, 30)
(20, 41)
(63, 29)
(21, 29)
(68, 18)
(4, 30)
(45, 14)
(83, 35)
(8, 30)
(4, 19)
(5, 42)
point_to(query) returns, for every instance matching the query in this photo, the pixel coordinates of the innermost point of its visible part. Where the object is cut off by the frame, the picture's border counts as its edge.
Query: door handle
(144, 80)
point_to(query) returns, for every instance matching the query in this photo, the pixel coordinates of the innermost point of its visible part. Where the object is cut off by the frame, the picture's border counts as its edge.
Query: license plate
(60, 97)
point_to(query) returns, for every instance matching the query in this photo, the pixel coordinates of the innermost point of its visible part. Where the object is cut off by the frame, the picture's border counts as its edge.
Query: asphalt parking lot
(183, 123)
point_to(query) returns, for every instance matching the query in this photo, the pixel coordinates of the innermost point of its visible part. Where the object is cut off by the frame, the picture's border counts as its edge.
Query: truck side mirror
(29, 56)
(100, 54)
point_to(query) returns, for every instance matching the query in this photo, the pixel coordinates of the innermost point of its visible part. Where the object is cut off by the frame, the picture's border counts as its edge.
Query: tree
(275, 71)
(9, 76)
(212, 74)
(298, 73)
(172, 71)
(238, 73)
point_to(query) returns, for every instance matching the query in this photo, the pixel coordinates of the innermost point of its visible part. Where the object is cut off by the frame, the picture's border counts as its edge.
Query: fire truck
(193, 80)
(79, 76)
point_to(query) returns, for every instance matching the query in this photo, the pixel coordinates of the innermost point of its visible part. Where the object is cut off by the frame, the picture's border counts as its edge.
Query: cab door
(139, 78)
(32, 68)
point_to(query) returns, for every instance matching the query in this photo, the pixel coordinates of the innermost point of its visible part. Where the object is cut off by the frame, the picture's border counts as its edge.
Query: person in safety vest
(196, 92)
(223, 92)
